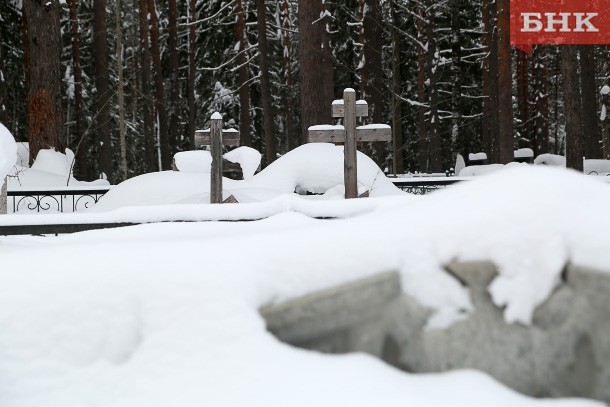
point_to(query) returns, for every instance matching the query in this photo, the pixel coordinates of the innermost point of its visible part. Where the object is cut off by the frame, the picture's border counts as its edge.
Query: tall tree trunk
(192, 73)
(316, 66)
(244, 76)
(263, 50)
(397, 138)
(572, 107)
(486, 66)
(3, 115)
(458, 139)
(494, 87)
(372, 71)
(436, 164)
(422, 137)
(527, 139)
(292, 136)
(149, 137)
(160, 107)
(505, 144)
(541, 122)
(120, 90)
(82, 169)
(557, 72)
(174, 80)
(100, 44)
(43, 76)
(590, 121)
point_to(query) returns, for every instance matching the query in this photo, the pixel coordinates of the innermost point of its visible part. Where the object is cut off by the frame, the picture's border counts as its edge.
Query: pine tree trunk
(541, 126)
(316, 66)
(457, 137)
(372, 71)
(146, 95)
(174, 80)
(82, 169)
(192, 72)
(527, 139)
(423, 141)
(160, 106)
(572, 107)
(505, 144)
(590, 110)
(103, 94)
(244, 76)
(43, 76)
(486, 119)
(292, 137)
(263, 50)
(397, 138)
(120, 91)
(3, 110)
(494, 87)
(435, 163)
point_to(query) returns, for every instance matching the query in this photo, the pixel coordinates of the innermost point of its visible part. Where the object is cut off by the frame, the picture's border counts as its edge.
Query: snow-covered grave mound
(316, 168)
(51, 169)
(167, 314)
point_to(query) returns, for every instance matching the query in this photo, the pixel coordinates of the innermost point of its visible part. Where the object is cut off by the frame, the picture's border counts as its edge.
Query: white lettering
(580, 22)
(532, 22)
(551, 22)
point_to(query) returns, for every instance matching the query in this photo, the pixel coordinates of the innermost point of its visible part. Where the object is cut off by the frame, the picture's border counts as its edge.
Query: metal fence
(54, 200)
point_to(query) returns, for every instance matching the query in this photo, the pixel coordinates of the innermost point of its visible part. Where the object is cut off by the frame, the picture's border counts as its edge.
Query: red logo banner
(559, 22)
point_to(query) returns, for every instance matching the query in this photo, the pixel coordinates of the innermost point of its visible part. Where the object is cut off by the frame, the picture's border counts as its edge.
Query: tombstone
(349, 109)
(524, 155)
(477, 159)
(216, 137)
(3, 197)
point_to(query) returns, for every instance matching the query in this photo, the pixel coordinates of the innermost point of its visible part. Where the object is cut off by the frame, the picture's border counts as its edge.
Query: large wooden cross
(215, 137)
(349, 134)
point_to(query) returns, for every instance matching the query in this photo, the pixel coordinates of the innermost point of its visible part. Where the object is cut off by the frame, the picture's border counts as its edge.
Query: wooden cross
(349, 109)
(215, 137)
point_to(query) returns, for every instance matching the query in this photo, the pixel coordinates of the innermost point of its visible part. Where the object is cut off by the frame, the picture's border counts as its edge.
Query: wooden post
(216, 150)
(350, 154)
(349, 134)
(215, 137)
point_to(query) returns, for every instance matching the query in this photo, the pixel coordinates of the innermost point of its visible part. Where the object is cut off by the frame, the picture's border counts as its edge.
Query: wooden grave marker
(349, 110)
(215, 137)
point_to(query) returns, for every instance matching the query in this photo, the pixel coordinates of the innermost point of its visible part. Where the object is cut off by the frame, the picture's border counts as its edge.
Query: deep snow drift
(166, 314)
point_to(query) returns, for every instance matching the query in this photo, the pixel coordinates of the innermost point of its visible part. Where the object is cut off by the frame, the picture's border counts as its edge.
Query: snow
(605, 90)
(248, 159)
(477, 156)
(596, 167)
(550, 159)
(460, 164)
(8, 152)
(193, 161)
(524, 153)
(166, 314)
(603, 113)
(50, 169)
(216, 116)
(373, 127)
(476, 170)
(324, 127)
(315, 168)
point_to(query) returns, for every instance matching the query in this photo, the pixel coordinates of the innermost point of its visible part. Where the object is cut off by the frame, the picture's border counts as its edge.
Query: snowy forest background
(125, 83)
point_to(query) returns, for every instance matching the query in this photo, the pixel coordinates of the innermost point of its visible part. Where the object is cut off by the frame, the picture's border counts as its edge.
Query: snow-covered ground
(167, 313)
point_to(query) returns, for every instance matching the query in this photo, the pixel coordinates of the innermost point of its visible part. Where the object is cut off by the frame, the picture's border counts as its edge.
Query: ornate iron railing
(54, 200)
(424, 185)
